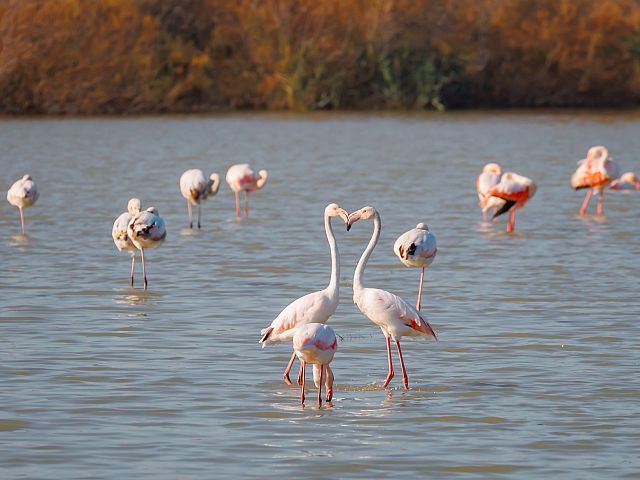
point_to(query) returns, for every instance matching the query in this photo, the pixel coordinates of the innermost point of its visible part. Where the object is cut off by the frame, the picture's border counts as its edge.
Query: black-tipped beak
(348, 227)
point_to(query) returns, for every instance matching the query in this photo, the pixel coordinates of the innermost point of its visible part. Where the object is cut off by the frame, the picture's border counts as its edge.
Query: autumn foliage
(114, 56)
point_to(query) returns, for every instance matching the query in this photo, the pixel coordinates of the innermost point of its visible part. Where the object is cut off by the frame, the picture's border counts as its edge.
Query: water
(536, 373)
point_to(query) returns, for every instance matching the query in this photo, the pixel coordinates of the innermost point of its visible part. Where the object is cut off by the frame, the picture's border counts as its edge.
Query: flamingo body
(23, 194)
(417, 248)
(195, 187)
(146, 230)
(120, 235)
(241, 178)
(489, 178)
(594, 172)
(515, 190)
(628, 181)
(316, 344)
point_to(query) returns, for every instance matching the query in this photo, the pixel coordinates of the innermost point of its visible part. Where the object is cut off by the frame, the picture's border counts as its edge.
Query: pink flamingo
(23, 194)
(196, 188)
(146, 230)
(240, 178)
(316, 343)
(395, 317)
(594, 172)
(417, 248)
(120, 235)
(628, 181)
(490, 177)
(314, 307)
(515, 190)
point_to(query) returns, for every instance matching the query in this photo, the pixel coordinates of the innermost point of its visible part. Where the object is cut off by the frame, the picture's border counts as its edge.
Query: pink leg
(144, 268)
(420, 289)
(300, 374)
(24, 232)
(246, 204)
(512, 220)
(189, 210)
(583, 208)
(600, 202)
(484, 215)
(287, 380)
(237, 204)
(320, 386)
(133, 265)
(199, 212)
(390, 374)
(405, 377)
(302, 365)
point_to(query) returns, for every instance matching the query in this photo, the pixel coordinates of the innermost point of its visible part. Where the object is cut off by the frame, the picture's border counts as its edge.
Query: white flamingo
(627, 181)
(120, 235)
(417, 248)
(23, 194)
(314, 307)
(240, 178)
(316, 343)
(490, 177)
(146, 230)
(195, 187)
(395, 317)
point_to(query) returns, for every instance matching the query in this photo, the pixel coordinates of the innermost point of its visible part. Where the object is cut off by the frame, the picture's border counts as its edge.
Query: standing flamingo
(490, 177)
(395, 317)
(146, 230)
(628, 181)
(316, 343)
(314, 307)
(23, 194)
(594, 172)
(515, 190)
(417, 248)
(119, 231)
(240, 178)
(195, 187)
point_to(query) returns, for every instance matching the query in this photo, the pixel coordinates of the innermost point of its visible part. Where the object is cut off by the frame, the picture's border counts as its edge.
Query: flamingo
(316, 343)
(314, 307)
(195, 187)
(628, 181)
(489, 178)
(594, 172)
(417, 248)
(23, 194)
(119, 231)
(146, 230)
(240, 178)
(395, 317)
(515, 190)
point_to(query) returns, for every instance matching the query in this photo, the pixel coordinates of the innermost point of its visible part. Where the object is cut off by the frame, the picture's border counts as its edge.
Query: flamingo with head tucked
(120, 235)
(594, 172)
(314, 307)
(514, 190)
(23, 194)
(146, 230)
(395, 317)
(628, 181)
(316, 343)
(240, 178)
(490, 177)
(195, 187)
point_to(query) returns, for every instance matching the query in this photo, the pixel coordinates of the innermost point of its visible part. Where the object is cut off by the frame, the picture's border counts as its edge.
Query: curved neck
(335, 261)
(362, 263)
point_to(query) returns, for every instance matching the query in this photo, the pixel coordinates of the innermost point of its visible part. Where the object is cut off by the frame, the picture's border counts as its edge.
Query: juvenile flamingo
(316, 343)
(314, 307)
(515, 190)
(594, 172)
(23, 194)
(120, 235)
(395, 317)
(490, 177)
(240, 178)
(628, 181)
(417, 248)
(146, 230)
(195, 187)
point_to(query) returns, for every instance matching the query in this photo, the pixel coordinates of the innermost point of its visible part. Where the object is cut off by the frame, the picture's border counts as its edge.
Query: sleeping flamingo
(23, 194)
(395, 317)
(146, 230)
(515, 190)
(628, 181)
(195, 187)
(316, 343)
(119, 231)
(314, 307)
(240, 178)
(489, 178)
(594, 172)
(417, 248)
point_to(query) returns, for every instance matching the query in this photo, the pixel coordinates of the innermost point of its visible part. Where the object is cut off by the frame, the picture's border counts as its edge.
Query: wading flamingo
(515, 190)
(23, 194)
(119, 231)
(594, 172)
(628, 181)
(195, 187)
(316, 343)
(490, 177)
(314, 307)
(417, 248)
(146, 230)
(240, 178)
(395, 317)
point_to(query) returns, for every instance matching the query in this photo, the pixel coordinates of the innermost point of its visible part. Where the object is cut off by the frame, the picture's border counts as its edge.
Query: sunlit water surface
(535, 375)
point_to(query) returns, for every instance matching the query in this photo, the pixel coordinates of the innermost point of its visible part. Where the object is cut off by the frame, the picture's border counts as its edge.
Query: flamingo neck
(362, 263)
(335, 260)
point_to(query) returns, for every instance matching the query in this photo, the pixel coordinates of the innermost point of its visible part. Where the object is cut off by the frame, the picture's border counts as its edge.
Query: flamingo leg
(287, 380)
(600, 203)
(390, 374)
(199, 212)
(420, 289)
(484, 215)
(237, 204)
(329, 384)
(144, 268)
(405, 377)
(302, 365)
(512, 220)
(24, 232)
(133, 266)
(189, 210)
(583, 208)
(300, 374)
(246, 204)
(320, 386)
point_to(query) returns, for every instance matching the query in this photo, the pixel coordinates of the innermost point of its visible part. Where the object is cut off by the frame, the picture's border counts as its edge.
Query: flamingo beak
(343, 215)
(353, 218)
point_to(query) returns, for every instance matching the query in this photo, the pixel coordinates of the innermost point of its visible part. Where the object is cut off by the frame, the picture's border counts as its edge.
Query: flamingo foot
(388, 379)
(286, 379)
(329, 395)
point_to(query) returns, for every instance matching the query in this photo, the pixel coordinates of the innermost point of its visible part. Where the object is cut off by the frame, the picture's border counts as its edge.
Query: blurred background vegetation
(132, 56)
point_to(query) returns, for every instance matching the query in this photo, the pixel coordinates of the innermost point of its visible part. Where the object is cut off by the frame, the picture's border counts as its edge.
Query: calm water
(536, 374)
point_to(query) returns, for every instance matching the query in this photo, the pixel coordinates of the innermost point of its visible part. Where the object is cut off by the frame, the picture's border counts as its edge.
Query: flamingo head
(26, 177)
(133, 206)
(422, 226)
(333, 210)
(598, 152)
(214, 178)
(492, 168)
(153, 210)
(262, 174)
(629, 177)
(365, 213)
(328, 379)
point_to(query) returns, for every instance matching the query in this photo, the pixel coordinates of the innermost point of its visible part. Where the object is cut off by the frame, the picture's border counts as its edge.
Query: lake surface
(536, 374)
